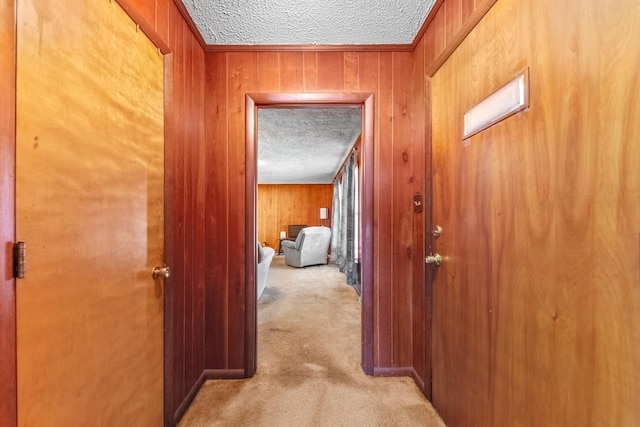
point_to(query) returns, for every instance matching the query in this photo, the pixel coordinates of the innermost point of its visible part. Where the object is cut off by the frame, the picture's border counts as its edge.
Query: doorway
(289, 100)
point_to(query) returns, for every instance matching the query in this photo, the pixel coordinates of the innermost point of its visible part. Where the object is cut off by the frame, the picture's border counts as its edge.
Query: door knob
(161, 272)
(434, 259)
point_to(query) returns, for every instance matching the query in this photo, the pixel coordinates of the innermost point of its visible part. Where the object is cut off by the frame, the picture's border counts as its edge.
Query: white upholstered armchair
(265, 255)
(310, 247)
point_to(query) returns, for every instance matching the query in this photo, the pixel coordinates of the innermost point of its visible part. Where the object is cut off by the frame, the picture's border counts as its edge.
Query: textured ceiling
(305, 145)
(308, 22)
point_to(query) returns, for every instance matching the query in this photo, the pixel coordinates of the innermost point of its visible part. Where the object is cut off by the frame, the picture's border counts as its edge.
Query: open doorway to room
(363, 104)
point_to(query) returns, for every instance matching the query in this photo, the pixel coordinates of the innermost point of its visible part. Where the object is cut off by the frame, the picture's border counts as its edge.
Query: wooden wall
(8, 393)
(553, 338)
(205, 187)
(281, 205)
(184, 201)
(450, 22)
(208, 201)
(396, 80)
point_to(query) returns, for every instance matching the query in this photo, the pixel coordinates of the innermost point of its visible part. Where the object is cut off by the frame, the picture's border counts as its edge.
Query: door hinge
(19, 260)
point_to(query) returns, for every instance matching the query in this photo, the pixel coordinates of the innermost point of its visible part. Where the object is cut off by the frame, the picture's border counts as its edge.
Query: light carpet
(309, 371)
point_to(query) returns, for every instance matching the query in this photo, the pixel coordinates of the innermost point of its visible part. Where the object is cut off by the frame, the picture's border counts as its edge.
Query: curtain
(346, 234)
(336, 223)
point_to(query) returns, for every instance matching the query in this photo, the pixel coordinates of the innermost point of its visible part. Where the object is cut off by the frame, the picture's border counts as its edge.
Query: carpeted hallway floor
(309, 370)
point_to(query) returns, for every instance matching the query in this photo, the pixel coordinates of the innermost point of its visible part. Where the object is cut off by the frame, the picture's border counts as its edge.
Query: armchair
(265, 256)
(310, 247)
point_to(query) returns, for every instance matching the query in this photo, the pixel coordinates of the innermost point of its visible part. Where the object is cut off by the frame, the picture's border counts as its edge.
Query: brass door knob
(161, 272)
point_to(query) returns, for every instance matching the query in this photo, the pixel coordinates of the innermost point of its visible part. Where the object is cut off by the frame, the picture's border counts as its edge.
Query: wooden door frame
(309, 100)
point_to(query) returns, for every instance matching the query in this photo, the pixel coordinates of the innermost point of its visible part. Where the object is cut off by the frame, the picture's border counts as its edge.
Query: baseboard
(207, 374)
(224, 374)
(188, 399)
(404, 371)
(419, 382)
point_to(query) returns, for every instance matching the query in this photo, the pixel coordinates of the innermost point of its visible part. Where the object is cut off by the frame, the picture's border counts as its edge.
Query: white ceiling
(305, 145)
(308, 22)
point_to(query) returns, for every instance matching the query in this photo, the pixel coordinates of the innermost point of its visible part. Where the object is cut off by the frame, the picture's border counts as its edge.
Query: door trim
(252, 102)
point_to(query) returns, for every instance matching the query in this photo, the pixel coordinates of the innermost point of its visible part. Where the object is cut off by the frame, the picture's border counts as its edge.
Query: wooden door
(90, 170)
(7, 214)
(536, 307)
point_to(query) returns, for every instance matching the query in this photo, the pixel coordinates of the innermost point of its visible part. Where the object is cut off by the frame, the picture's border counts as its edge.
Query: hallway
(309, 370)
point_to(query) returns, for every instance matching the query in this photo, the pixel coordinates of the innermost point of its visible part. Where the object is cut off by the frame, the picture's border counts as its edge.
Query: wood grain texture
(448, 23)
(8, 385)
(291, 71)
(452, 39)
(536, 307)
(170, 356)
(269, 71)
(89, 201)
(180, 387)
(217, 212)
(281, 205)
(453, 17)
(421, 327)
(188, 250)
(304, 70)
(251, 259)
(329, 72)
(241, 79)
(140, 12)
(435, 34)
(187, 186)
(402, 157)
(384, 210)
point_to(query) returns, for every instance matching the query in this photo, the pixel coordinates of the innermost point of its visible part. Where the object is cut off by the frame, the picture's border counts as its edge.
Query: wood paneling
(203, 181)
(216, 208)
(188, 184)
(453, 17)
(383, 319)
(89, 204)
(281, 205)
(435, 35)
(239, 73)
(421, 327)
(402, 211)
(241, 79)
(187, 251)
(448, 24)
(537, 304)
(8, 389)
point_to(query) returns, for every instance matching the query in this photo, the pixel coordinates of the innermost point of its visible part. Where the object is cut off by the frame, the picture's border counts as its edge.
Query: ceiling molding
(309, 48)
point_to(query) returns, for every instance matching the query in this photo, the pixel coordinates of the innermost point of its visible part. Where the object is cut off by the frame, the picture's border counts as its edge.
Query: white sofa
(265, 256)
(310, 247)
